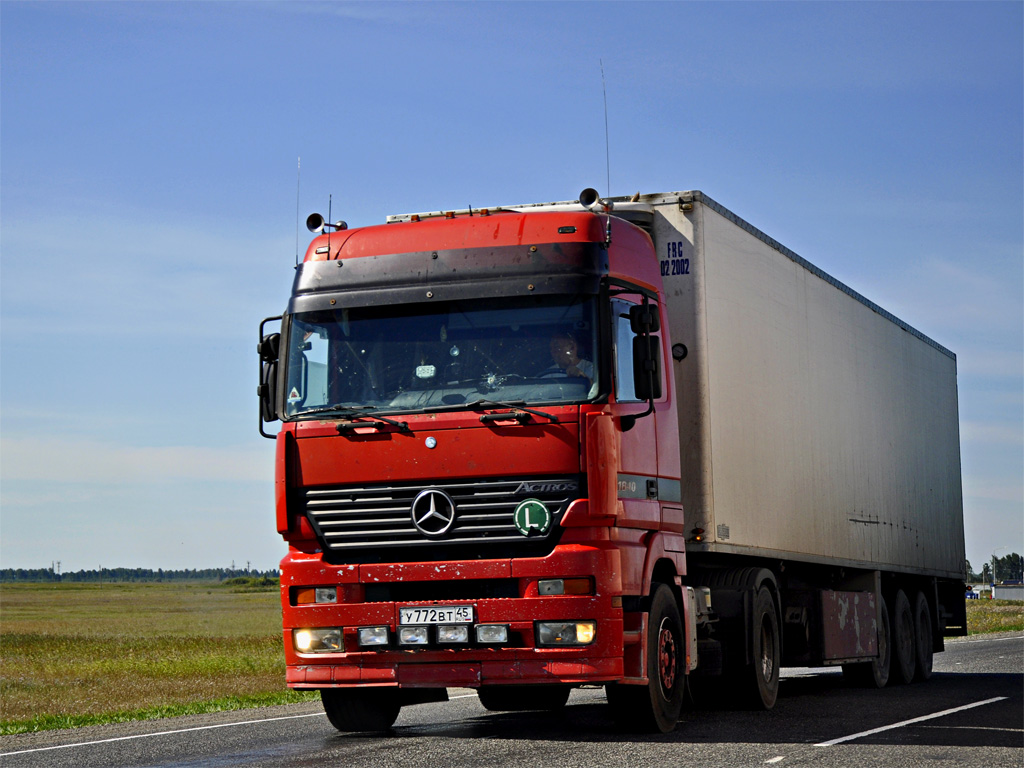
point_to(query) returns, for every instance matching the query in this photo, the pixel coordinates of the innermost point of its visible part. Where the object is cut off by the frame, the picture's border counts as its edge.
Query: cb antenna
(298, 186)
(607, 151)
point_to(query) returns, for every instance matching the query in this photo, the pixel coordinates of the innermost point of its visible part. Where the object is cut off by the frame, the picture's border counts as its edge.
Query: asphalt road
(971, 713)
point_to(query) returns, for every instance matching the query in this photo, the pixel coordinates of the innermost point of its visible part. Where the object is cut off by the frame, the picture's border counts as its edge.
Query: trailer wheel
(923, 636)
(903, 647)
(767, 652)
(361, 709)
(522, 698)
(658, 706)
(874, 673)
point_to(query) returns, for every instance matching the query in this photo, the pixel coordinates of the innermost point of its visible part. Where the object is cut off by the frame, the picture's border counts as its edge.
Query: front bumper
(521, 660)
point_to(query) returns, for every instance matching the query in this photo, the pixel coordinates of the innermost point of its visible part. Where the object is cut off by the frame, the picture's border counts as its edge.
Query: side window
(623, 335)
(307, 368)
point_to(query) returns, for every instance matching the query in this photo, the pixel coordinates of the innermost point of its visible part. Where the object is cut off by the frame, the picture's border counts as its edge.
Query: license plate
(436, 614)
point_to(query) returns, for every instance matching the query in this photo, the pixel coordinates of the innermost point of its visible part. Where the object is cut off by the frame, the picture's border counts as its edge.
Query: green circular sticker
(531, 515)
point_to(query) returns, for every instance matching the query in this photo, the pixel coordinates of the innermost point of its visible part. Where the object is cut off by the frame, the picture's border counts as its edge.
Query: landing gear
(658, 706)
(361, 709)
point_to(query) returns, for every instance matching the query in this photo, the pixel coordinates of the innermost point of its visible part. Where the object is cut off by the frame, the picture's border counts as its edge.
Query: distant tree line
(133, 574)
(1008, 568)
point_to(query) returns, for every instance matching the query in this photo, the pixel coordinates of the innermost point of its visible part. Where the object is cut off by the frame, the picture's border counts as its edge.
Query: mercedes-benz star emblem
(433, 512)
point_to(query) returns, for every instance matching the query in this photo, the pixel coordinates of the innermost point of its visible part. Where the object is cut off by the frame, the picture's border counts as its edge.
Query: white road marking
(160, 733)
(181, 730)
(943, 713)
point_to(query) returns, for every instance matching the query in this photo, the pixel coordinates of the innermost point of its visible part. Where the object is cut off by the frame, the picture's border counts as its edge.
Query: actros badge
(433, 512)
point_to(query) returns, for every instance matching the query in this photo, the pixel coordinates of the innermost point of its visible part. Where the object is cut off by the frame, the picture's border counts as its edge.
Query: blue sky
(148, 208)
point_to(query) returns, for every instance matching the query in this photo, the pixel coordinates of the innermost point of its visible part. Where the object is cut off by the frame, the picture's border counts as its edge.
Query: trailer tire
(763, 675)
(904, 643)
(523, 698)
(361, 709)
(657, 706)
(923, 638)
(874, 673)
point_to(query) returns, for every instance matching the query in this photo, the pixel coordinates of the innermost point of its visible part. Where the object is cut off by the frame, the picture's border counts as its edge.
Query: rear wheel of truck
(904, 656)
(521, 698)
(923, 637)
(874, 673)
(361, 709)
(763, 675)
(658, 706)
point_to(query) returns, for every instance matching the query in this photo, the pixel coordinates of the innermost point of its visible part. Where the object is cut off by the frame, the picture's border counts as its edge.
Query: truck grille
(379, 517)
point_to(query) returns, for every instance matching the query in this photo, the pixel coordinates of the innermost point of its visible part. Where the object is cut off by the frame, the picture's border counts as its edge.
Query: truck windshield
(538, 349)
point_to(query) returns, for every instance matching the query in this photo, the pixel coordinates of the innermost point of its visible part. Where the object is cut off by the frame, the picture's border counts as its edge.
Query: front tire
(658, 706)
(361, 710)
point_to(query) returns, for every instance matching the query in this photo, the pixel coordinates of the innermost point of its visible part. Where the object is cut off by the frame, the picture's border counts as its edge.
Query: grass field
(79, 654)
(985, 616)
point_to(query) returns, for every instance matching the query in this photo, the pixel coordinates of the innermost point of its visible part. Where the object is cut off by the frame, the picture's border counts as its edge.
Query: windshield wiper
(344, 426)
(346, 410)
(355, 412)
(519, 414)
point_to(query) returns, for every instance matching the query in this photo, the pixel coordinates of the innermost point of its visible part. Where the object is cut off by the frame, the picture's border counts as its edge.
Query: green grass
(80, 654)
(984, 616)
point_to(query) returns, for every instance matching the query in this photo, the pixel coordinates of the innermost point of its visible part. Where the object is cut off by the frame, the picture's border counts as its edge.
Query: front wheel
(361, 709)
(658, 706)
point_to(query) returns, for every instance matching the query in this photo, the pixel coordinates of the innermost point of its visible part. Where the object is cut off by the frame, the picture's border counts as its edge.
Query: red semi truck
(630, 442)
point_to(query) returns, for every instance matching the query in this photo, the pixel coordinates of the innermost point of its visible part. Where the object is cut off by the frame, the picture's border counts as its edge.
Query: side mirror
(269, 348)
(647, 368)
(643, 318)
(267, 392)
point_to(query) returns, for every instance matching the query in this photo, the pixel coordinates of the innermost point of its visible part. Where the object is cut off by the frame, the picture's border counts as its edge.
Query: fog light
(453, 633)
(566, 632)
(373, 635)
(412, 636)
(323, 640)
(492, 634)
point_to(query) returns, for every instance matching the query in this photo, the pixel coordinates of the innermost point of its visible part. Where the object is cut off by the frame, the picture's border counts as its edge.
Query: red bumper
(521, 661)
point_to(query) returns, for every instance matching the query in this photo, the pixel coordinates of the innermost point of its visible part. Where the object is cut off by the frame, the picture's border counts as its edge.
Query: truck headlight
(453, 633)
(413, 636)
(492, 634)
(566, 632)
(372, 636)
(321, 640)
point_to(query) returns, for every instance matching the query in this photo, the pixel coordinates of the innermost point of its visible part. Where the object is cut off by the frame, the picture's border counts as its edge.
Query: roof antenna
(607, 152)
(298, 184)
